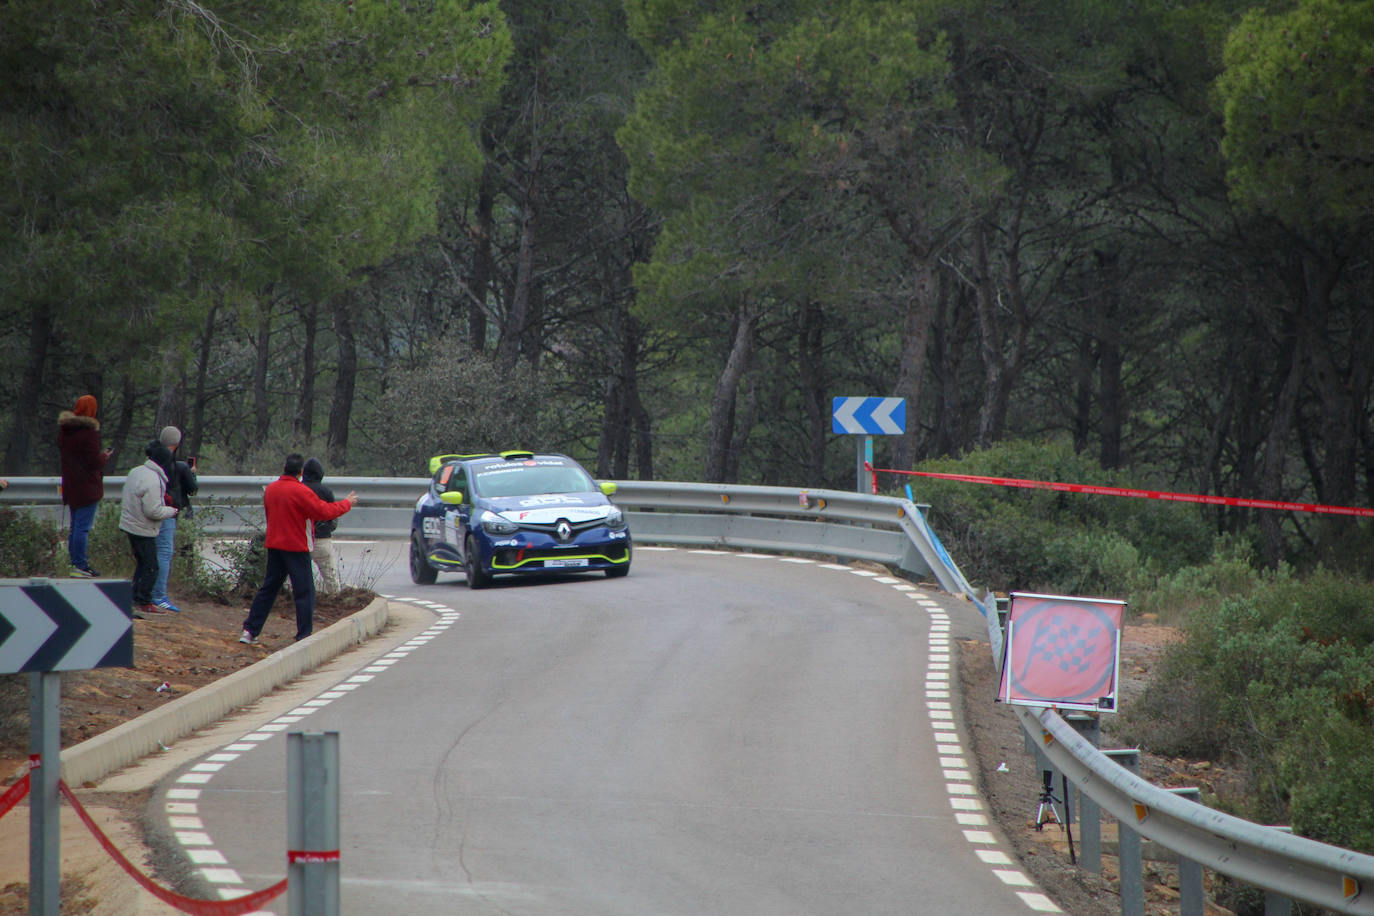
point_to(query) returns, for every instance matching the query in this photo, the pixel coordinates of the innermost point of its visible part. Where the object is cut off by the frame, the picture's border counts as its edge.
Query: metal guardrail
(892, 532)
(830, 522)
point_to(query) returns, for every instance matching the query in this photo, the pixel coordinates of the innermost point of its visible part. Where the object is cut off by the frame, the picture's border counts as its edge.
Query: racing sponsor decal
(553, 499)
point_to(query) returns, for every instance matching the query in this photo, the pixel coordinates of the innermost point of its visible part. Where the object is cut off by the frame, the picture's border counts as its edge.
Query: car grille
(552, 529)
(512, 557)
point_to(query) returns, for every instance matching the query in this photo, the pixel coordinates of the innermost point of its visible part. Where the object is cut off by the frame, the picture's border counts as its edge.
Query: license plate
(564, 564)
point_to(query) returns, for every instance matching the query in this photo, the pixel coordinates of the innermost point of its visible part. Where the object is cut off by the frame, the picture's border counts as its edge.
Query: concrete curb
(97, 757)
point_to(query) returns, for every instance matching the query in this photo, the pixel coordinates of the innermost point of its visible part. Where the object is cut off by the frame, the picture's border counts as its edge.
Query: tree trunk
(1109, 361)
(171, 395)
(341, 410)
(614, 426)
(123, 453)
(744, 424)
(813, 380)
(949, 326)
(1274, 464)
(720, 427)
(479, 278)
(1085, 362)
(262, 356)
(644, 440)
(1002, 348)
(19, 452)
(303, 421)
(518, 313)
(613, 451)
(1111, 400)
(197, 430)
(911, 364)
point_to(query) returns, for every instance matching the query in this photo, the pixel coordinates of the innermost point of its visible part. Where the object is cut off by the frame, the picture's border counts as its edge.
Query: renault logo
(564, 530)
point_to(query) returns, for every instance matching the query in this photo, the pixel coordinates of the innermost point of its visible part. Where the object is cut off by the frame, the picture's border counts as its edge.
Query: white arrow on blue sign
(869, 416)
(65, 625)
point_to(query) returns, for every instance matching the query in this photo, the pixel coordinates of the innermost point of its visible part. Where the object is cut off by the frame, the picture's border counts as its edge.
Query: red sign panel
(1062, 651)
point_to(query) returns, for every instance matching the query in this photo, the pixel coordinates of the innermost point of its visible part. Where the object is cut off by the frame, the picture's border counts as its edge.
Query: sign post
(48, 626)
(867, 417)
(312, 823)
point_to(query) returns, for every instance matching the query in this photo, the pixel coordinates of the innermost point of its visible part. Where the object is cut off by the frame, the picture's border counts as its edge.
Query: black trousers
(145, 567)
(281, 565)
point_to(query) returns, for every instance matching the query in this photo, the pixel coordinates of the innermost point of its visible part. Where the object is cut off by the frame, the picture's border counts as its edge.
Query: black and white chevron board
(65, 624)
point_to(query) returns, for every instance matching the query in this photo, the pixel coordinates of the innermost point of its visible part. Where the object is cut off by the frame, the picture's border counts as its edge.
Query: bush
(29, 546)
(1281, 680)
(1048, 540)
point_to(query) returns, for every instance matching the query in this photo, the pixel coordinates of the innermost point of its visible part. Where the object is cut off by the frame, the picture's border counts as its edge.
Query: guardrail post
(312, 824)
(1192, 901)
(1276, 904)
(1130, 867)
(1089, 812)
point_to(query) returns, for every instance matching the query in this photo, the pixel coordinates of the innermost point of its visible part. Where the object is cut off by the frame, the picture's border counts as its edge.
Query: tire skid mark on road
(181, 806)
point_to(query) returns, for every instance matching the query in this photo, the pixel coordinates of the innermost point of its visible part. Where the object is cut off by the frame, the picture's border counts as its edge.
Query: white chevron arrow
(32, 628)
(882, 415)
(107, 620)
(844, 416)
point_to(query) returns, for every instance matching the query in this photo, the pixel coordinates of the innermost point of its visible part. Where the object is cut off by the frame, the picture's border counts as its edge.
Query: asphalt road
(714, 734)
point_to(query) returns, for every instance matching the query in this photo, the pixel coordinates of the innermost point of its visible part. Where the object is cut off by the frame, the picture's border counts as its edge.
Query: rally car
(515, 512)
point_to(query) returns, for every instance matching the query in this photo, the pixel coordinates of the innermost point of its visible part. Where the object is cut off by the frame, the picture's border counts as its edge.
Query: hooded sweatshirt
(312, 475)
(144, 506)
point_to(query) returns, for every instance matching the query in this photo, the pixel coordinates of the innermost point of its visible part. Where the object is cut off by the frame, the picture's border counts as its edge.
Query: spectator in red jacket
(83, 476)
(291, 509)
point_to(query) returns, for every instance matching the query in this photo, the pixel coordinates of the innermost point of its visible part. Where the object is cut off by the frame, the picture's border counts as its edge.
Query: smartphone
(191, 462)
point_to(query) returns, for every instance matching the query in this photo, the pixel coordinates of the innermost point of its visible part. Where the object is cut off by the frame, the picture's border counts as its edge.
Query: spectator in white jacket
(142, 509)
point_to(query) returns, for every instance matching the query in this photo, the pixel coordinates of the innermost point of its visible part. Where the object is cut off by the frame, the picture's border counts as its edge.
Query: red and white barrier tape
(197, 907)
(193, 905)
(1360, 511)
(14, 795)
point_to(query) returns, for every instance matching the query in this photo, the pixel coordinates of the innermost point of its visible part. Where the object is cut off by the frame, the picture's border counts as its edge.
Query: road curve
(718, 733)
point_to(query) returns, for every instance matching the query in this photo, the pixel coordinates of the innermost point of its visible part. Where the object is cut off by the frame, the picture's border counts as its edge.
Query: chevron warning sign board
(65, 624)
(869, 416)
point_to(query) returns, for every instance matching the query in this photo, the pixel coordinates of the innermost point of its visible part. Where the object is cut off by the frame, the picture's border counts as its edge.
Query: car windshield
(525, 480)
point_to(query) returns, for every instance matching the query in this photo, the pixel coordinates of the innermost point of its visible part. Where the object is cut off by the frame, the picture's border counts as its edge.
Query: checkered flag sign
(1061, 651)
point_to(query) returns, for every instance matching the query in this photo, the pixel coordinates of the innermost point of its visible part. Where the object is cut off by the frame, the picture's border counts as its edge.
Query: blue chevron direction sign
(65, 624)
(869, 416)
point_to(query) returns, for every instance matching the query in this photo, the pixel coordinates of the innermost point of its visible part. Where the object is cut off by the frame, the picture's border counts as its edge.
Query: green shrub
(29, 546)
(108, 548)
(1012, 538)
(1279, 678)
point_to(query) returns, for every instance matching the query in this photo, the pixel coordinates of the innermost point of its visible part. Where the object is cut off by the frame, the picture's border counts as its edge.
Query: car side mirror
(452, 497)
(608, 487)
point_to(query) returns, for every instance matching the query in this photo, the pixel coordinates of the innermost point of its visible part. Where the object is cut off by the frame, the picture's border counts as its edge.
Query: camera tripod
(1047, 803)
(1048, 800)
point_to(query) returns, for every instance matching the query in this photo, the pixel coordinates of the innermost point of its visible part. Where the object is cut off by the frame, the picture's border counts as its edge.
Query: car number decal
(432, 526)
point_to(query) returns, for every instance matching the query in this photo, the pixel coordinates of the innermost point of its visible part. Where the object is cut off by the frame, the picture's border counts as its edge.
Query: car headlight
(615, 519)
(495, 524)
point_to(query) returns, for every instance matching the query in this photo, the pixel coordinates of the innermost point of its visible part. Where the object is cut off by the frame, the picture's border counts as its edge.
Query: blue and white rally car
(516, 512)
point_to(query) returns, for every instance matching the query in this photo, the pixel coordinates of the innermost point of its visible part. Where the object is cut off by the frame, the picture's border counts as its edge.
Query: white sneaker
(248, 639)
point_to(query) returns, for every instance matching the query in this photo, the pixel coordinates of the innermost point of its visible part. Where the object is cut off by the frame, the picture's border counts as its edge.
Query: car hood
(547, 509)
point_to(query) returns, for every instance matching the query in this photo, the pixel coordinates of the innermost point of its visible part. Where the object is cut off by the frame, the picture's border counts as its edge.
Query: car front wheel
(421, 573)
(472, 565)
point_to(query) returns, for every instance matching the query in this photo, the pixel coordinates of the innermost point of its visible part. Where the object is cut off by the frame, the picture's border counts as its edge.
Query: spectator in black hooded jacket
(181, 486)
(312, 475)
